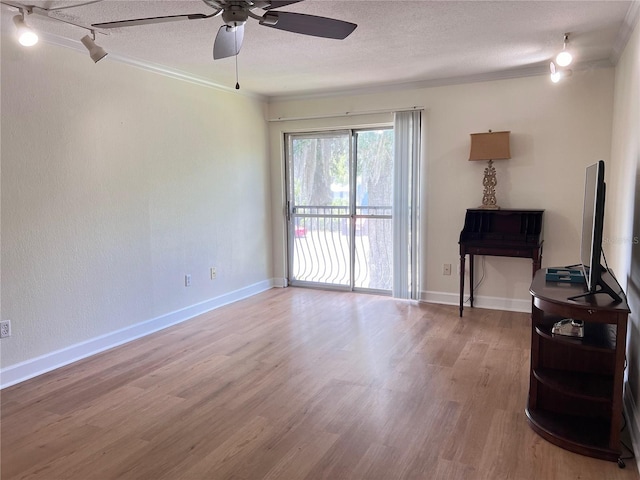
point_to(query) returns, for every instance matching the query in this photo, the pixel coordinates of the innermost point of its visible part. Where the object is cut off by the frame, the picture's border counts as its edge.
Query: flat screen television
(592, 228)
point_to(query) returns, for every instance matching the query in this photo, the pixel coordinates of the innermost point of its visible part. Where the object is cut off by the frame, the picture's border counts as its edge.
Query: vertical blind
(407, 128)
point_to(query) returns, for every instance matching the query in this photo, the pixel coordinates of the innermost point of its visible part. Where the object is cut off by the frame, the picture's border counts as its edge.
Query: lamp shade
(490, 146)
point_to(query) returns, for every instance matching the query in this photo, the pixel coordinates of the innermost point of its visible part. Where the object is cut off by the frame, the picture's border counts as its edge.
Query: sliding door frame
(351, 215)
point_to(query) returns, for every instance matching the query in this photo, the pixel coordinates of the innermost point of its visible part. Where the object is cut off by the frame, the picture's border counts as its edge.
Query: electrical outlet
(5, 329)
(187, 280)
(446, 269)
(213, 273)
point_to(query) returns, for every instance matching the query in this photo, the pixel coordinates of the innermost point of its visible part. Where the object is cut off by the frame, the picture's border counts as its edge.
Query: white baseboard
(493, 303)
(20, 372)
(630, 409)
(280, 282)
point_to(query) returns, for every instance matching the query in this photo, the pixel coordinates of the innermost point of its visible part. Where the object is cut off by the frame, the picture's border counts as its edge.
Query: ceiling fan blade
(309, 24)
(228, 41)
(277, 4)
(147, 21)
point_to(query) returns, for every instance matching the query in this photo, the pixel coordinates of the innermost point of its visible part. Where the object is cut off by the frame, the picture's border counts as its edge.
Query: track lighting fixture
(26, 36)
(558, 74)
(96, 52)
(564, 58)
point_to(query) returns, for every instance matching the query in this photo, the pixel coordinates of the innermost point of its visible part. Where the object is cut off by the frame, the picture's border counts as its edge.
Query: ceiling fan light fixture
(96, 52)
(26, 35)
(235, 16)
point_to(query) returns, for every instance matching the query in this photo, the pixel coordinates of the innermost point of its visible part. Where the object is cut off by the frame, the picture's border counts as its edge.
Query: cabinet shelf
(597, 336)
(587, 386)
(580, 434)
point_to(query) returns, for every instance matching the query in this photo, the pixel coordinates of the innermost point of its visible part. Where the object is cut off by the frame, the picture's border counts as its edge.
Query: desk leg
(537, 265)
(537, 262)
(471, 262)
(461, 282)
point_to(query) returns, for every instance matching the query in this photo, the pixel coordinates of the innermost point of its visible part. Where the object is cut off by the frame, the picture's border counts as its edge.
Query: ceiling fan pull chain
(235, 37)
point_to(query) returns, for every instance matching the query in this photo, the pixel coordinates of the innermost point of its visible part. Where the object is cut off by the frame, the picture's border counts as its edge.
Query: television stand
(604, 288)
(575, 384)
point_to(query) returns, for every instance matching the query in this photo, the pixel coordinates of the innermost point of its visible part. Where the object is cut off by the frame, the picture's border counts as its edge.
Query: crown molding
(156, 68)
(529, 71)
(624, 34)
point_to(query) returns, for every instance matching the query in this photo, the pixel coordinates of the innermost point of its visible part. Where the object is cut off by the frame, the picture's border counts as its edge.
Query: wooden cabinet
(575, 390)
(502, 233)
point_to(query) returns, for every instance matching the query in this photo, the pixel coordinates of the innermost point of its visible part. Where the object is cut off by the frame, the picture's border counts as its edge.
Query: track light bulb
(26, 36)
(96, 52)
(556, 75)
(564, 58)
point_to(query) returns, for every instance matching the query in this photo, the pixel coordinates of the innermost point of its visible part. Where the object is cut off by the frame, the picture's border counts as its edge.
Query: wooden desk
(502, 233)
(575, 386)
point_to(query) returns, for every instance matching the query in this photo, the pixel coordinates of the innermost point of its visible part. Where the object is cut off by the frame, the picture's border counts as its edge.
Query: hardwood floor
(295, 384)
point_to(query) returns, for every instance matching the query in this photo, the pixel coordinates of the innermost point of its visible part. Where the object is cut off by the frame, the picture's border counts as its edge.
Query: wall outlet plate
(187, 280)
(5, 328)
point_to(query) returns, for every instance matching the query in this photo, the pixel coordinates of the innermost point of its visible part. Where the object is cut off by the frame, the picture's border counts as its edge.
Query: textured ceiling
(396, 42)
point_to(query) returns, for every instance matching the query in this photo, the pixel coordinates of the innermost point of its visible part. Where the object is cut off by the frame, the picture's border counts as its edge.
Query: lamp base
(489, 182)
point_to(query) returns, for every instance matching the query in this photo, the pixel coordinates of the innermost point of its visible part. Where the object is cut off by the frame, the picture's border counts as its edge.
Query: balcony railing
(322, 249)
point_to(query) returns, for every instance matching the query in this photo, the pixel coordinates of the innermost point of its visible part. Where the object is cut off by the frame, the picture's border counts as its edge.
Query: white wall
(556, 130)
(116, 183)
(622, 220)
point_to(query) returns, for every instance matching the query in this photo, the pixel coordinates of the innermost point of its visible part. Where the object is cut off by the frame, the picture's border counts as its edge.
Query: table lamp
(489, 146)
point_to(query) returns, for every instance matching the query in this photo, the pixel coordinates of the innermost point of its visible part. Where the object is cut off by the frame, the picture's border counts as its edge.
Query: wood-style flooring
(296, 384)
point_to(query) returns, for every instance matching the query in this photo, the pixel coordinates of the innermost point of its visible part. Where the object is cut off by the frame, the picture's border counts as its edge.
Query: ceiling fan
(235, 14)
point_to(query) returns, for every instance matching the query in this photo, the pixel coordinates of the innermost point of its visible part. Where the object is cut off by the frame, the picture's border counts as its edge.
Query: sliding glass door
(373, 227)
(339, 209)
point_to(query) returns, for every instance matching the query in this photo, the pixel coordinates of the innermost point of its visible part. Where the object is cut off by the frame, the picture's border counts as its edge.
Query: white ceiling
(396, 42)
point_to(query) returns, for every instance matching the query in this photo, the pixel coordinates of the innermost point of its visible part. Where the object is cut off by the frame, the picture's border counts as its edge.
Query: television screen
(591, 244)
(592, 224)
